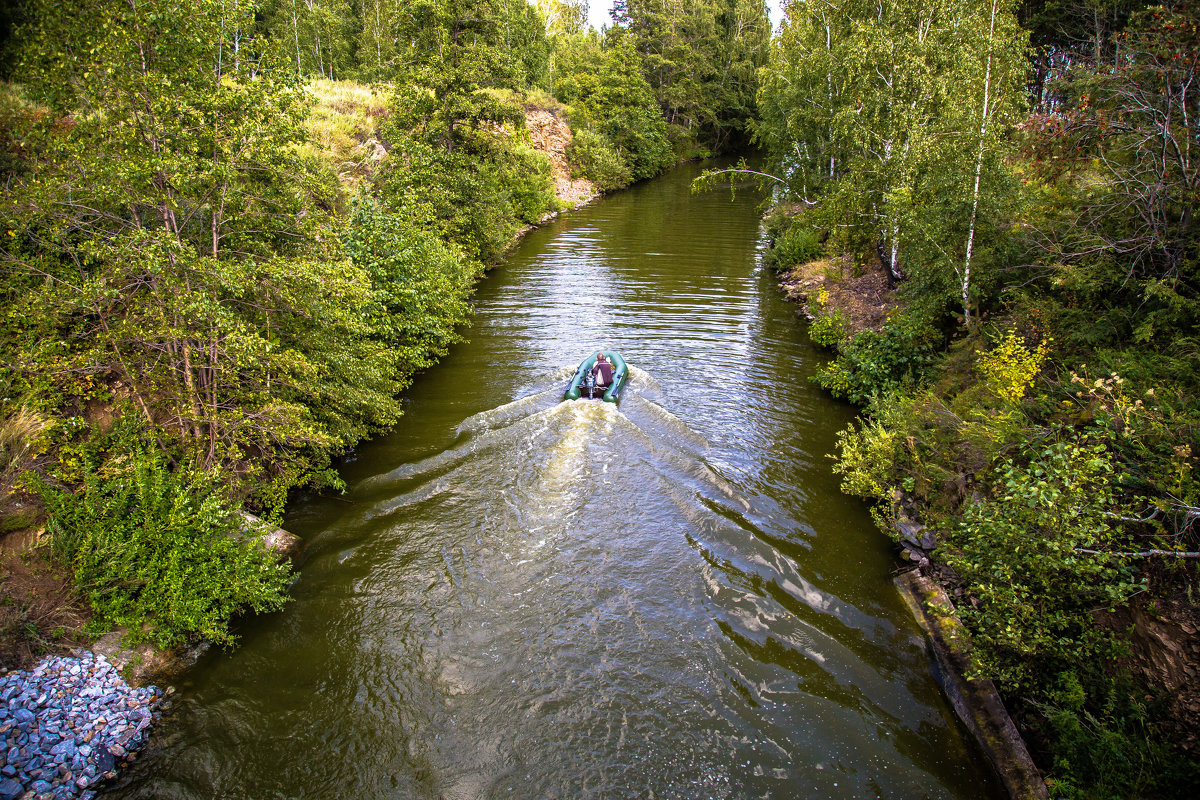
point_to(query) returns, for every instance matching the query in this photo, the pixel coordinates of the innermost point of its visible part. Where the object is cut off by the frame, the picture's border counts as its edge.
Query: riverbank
(830, 288)
(40, 613)
(1150, 668)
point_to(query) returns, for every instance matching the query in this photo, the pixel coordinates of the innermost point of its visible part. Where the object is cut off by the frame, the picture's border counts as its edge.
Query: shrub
(878, 362)
(1011, 365)
(828, 327)
(1020, 554)
(592, 156)
(160, 550)
(797, 244)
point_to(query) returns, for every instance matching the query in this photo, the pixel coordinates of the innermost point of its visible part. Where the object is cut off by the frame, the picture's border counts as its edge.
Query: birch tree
(877, 109)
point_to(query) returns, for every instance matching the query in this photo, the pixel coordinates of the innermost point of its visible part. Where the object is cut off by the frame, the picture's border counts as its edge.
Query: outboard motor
(589, 385)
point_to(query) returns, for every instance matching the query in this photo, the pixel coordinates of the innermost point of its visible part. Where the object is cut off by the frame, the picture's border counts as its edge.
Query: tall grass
(18, 433)
(344, 118)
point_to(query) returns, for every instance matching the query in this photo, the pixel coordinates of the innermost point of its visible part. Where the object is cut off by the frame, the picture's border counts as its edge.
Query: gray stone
(10, 789)
(915, 534)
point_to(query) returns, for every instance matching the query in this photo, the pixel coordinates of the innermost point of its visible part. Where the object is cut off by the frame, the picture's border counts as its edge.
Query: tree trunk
(983, 121)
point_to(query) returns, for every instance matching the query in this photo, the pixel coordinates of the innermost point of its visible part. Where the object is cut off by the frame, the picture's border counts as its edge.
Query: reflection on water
(523, 597)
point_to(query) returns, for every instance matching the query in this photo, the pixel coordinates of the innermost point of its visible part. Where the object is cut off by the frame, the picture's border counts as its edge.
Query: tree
(700, 58)
(888, 112)
(459, 142)
(174, 245)
(615, 110)
(1128, 239)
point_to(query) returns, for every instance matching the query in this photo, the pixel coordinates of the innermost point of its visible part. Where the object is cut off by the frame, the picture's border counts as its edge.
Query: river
(521, 597)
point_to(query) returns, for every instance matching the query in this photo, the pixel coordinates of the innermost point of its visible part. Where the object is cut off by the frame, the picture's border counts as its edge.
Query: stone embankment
(67, 725)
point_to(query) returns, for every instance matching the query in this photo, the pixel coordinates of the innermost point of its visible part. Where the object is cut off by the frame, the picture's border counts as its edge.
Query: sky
(598, 12)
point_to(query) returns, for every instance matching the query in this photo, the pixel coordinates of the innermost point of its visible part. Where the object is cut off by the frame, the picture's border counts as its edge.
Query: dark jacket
(604, 372)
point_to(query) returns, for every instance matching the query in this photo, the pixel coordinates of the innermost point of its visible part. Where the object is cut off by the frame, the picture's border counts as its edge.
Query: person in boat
(602, 371)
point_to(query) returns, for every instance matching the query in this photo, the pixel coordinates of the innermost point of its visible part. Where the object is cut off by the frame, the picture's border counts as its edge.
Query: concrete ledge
(976, 702)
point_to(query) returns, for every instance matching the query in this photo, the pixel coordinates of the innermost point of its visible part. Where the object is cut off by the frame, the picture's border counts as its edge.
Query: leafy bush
(525, 171)
(610, 97)
(1021, 556)
(828, 327)
(160, 550)
(419, 284)
(592, 156)
(798, 244)
(1012, 365)
(877, 362)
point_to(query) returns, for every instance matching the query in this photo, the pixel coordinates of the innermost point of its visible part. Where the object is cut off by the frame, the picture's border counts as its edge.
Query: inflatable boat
(584, 385)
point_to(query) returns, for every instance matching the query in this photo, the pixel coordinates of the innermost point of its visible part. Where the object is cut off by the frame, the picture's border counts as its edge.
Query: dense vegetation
(1026, 174)
(209, 293)
(206, 298)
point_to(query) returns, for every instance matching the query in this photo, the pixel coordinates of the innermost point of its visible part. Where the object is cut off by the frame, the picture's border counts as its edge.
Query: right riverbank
(919, 452)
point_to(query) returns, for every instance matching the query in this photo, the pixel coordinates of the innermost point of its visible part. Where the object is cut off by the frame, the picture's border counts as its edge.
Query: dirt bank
(863, 297)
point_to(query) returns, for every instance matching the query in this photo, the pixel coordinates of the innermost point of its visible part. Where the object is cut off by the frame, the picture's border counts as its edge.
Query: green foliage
(174, 239)
(458, 141)
(700, 58)
(478, 201)
(893, 117)
(1111, 744)
(159, 549)
(877, 362)
(797, 244)
(592, 156)
(828, 327)
(1011, 365)
(870, 456)
(419, 285)
(610, 97)
(1020, 556)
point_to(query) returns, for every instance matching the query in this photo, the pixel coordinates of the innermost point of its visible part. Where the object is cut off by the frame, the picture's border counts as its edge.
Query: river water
(521, 597)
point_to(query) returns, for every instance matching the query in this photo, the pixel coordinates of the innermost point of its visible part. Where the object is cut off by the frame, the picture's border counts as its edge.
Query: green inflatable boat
(588, 383)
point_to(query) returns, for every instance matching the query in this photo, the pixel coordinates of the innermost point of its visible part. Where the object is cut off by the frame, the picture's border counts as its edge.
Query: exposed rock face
(551, 135)
(1164, 651)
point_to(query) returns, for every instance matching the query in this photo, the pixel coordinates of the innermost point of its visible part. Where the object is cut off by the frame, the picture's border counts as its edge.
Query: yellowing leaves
(1011, 366)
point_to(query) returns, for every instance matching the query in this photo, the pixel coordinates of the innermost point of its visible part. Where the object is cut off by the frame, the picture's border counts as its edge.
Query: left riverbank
(42, 612)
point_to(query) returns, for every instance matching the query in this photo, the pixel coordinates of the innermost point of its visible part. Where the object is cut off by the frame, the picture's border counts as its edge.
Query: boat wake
(536, 466)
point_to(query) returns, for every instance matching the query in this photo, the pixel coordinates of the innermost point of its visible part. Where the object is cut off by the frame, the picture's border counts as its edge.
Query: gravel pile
(68, 725)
